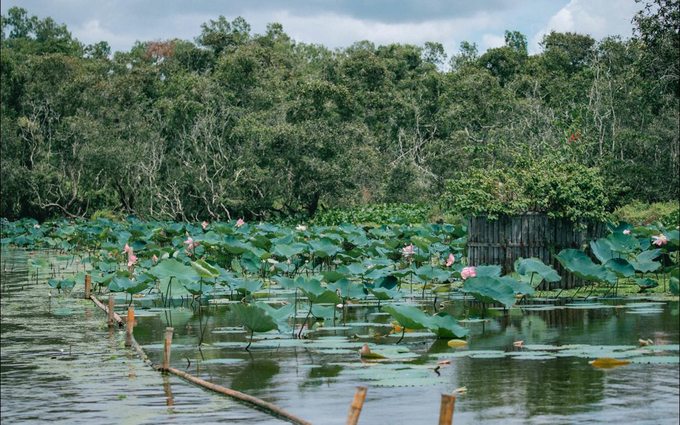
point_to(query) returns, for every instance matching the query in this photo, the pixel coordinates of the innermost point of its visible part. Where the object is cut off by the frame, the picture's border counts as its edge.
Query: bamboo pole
(88, 285)
(130, 324)
(446, 411)
(167, 348)
(245, 398)
(355, 407)
(99, 304)
(261, 404)
(110, 310)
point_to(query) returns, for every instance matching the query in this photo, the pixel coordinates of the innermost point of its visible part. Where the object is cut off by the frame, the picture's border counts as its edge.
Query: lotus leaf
(580, 264)
(529, 266)
(621, 267)
(205, 270)
(489, 289)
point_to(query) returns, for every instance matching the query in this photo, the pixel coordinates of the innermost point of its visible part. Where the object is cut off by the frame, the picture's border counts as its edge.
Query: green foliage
(569, 191)
(261, 127)
(643, 213)
(375, 213)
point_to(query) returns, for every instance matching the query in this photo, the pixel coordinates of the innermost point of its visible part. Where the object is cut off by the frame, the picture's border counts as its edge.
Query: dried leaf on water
(608, 363)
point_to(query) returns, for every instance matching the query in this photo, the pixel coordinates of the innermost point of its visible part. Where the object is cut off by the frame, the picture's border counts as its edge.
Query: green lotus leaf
(646, 283)
(288, 251)
(518, 287)
(38, 263)
(429, 272)
(356, 269)
(643, 262)
(673, 285)
(386, 282)
(348, 289)
(324, 247)
(528, 266)
(445, 326)
(253, 317)
(323, 312)
(332, 275)
(205, 270)
(246, 286)
(489, 289)
(385, 294)
(581, 265)
(173, 268)
(197, 288)
(491, 271)
(602, 250)
(285, 282)
(376, 273)
(316, 293)
(622, 243)
(62, 283)
(409, 317)
(280, 315)
(621, 267)
(235, 246)
(123, 284)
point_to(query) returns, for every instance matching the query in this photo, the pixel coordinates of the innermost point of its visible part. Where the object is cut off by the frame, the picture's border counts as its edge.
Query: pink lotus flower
(450, 260)
(301, 228)
(626, 232)
(36, 226)
(154, 258)
(409, 250)
(468, 272)
(190, 243)
(240, 222)
(660, 240)
(132, 259)
(204, 224)
(127, 249)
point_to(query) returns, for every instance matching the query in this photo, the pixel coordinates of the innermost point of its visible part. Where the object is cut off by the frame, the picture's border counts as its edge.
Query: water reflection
(256, 375)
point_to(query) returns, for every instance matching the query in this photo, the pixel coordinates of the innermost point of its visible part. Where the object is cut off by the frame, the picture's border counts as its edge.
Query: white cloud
(340, 30)
(489, 41)
(598, 18)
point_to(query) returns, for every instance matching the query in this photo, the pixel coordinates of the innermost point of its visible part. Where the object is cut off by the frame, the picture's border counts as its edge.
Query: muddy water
(60, 363)
(316, 378)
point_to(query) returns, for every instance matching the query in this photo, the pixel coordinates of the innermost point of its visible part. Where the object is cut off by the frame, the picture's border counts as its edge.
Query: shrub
(563, 190)
(644, 213)
(376, 213)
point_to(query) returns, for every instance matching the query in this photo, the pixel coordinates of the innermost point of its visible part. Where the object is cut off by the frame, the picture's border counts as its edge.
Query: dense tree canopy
(259, 125)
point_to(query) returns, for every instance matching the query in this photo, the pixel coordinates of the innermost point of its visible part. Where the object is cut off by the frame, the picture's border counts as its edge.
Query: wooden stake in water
(446, 412)
(355, 407)
(110, 310)
(167, 347)
(130, 322)
(88, 285)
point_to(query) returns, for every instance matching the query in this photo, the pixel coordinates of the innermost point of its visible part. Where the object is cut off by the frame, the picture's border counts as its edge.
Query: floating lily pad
(527, 355)
(655, 360)
(645, 305)
(222, 361)
(645, 311)
(587, 305)
(409, 382)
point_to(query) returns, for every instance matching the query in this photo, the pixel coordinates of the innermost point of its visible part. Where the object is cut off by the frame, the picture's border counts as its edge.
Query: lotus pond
(308, 301)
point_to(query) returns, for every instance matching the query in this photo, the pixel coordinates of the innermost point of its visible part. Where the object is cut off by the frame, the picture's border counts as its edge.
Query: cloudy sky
(340, 23)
